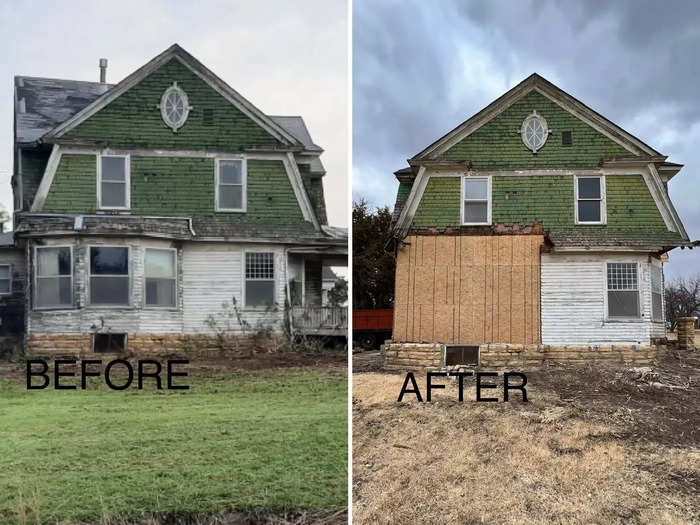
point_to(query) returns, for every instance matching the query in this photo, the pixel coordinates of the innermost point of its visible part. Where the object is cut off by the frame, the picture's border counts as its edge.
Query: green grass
(270, 439)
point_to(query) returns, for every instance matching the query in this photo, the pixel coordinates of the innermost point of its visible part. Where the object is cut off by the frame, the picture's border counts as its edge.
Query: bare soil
(595, 444)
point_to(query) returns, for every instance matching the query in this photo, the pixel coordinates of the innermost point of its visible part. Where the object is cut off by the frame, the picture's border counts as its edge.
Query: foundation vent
(461, 355)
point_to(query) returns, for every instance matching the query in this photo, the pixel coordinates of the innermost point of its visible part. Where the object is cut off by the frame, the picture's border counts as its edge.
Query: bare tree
(682, 296)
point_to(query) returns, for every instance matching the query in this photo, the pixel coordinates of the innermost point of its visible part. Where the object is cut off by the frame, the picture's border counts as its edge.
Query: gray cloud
(421, 68)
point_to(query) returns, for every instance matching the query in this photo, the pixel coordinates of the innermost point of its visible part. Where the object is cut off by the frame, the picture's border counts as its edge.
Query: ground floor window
(161, 277)
(5, 279)
(623, 290)
(109, 275)
(259, 279)
(54, 277)
(657, 294)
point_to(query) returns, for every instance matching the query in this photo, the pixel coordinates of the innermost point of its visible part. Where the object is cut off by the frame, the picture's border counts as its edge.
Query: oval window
(534, 132)
(174, 107)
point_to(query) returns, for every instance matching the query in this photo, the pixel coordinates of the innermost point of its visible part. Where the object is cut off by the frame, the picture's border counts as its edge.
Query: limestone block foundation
(148, 345)
(686, 333)
(426, 356)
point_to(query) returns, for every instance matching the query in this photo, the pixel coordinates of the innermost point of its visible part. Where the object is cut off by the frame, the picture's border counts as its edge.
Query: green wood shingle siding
(498, 143)
(177, 186)
(133, 120)
(549, 199)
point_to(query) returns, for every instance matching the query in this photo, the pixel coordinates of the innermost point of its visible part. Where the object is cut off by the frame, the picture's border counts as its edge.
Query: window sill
(230, 211)
(631, 320)
(162, 308)
(112, 211)
(110, 307)
(53, 308)
(591, 223)
(475, 224)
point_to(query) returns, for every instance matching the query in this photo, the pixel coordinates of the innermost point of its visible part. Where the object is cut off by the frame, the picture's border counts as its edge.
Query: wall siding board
(574, 301)
(468, 302)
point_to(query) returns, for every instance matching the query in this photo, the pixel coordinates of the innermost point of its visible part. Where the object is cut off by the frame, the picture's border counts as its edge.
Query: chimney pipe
(103, 70)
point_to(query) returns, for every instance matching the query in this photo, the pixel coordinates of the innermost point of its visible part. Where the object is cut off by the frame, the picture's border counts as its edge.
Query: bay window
(161, 277)
(54, 277)
(109, 276)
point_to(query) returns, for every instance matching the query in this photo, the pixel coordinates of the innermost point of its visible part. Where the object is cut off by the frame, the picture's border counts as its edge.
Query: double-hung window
(476, 200)
(590, 200)
(113, 182)
(657, 294)
(109, 276)
(623, 290)
(231, 185)
(161, 281)
(54, 277)
(5, 279)
(259, 279)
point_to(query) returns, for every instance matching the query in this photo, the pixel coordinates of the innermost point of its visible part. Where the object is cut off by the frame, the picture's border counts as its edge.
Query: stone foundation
(151, 345)
(420, 356)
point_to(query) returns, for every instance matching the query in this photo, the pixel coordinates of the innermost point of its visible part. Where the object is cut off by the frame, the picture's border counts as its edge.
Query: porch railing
(320, 319)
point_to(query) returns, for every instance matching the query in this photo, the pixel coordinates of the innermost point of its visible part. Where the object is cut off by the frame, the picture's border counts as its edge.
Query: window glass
(475, 205)
(475, 188)
(5, 279)
(589, 211)
(109, 275)
(260, 279)
(475, 211)
(54, 286)
(588, 188)
(230, 185)
(161, 278)
(623, 291)
(113, 182)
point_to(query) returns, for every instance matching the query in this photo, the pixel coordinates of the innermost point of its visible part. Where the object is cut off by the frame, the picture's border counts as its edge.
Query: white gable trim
(196, 67)
(663, 202)
(300, 191)
(45, 185)
(411, 205)
(556, 95)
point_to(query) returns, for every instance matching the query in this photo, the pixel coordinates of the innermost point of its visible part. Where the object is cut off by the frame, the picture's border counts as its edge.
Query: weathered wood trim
(411, 205)
(663, 202)
(175, 52)
(300, 191)
(47, 179)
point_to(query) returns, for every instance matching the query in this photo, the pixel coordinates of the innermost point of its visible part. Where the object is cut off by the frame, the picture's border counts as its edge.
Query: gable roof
(41, 104)
(175, 52)
(557, 95)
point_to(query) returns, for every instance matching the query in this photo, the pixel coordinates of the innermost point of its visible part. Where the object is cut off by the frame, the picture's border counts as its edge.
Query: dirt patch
(367, 362)
(596, 444)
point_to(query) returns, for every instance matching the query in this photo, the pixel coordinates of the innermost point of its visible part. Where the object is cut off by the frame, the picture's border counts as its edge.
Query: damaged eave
(440, 164)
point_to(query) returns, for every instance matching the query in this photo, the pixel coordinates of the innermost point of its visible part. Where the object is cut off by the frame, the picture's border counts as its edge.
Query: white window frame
(244, 184)
(89, 276)
(245, 280)
(145, 278)
(9, 272)
(35, 266)
(127, 181)
(603, 207)
(640, 297)
(462, 200)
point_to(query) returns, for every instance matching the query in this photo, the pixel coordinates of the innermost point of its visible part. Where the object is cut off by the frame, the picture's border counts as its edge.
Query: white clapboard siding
(574, 295)
(213, 274)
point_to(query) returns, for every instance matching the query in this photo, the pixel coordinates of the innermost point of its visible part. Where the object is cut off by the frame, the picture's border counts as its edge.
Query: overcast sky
(422, 68)
(285, 58)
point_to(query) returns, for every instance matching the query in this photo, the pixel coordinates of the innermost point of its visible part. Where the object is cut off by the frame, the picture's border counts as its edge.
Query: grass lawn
(265, 439)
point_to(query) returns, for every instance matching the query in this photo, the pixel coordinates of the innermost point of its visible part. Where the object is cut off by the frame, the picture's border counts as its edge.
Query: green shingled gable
(549, 199)
(133, 121)
(175, 186)
(498, 143)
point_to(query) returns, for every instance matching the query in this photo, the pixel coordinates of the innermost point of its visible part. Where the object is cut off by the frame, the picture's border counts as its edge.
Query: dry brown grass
(540, 462)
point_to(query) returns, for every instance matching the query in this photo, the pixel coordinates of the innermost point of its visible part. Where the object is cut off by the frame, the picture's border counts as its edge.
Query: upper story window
(109, 275)
(476, 200)
(623, 290)
(590, 200)
(259, 279)
(113, 181)
(5, 279)
(54, 277)
(231, 180)
(161, 277)
(174, 107)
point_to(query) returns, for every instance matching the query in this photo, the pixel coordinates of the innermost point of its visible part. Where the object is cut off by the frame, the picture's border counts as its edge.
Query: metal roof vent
(103, 70)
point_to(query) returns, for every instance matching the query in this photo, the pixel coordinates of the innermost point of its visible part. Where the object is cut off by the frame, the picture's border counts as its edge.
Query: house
(534, 230)
(148, 212)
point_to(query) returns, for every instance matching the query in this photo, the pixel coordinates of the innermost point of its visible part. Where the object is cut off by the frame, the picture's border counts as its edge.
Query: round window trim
(534, 131)
(174, 107)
